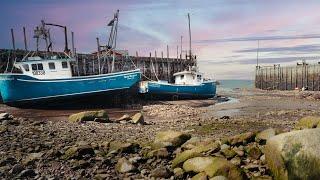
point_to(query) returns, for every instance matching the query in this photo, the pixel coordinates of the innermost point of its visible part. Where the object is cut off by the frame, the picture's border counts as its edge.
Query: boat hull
(21, 89)
(158, 90)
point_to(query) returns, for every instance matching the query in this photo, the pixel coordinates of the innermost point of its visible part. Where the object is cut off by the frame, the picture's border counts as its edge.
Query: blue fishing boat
(188, 84)
(51, 79)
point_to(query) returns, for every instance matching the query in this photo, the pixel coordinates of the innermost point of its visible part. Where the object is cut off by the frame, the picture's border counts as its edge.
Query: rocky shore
(260, 141)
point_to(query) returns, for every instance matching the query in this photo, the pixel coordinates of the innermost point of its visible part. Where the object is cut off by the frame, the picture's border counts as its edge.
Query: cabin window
(64, 65)
(40, 66)
(25, 67)
(51, 65)
(181, 76)
(34, 67)
(199, 77)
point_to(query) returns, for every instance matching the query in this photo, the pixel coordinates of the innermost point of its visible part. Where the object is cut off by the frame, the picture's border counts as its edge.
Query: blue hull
(17, 88)
(163, 90)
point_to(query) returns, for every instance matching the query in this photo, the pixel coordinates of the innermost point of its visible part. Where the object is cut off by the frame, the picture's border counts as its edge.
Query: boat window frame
(40, 66)
(182, 76)
(64, 65)
(34, 67)
(199, 77)
(26, 67)
(52, 65)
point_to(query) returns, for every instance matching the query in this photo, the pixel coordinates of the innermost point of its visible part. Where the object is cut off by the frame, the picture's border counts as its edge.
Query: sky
(225, 33)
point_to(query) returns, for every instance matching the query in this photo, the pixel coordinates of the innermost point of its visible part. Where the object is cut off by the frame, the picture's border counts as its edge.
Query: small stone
(137, 119)
(228, 153)
(224, 146)
(3, 128)
(124, 166)
(125, 117)
(102, 120)
(158, 153)
(170, 139)
(16, 169)
(4, 116)
(178, 172)
(101, 176)
(88, 116)
(263, 159)
(218, 178)
(123, 147)
(236, 161)
(263, 136)
(135, 160)
(161, 172)
(27, 173)
(244, 138)
(254, 152)
(31, 158)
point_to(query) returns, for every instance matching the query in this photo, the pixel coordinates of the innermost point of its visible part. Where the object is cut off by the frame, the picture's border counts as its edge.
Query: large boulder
(213, 166)
(88, 116)
(294, 155)
(170, 139)
(308, 122)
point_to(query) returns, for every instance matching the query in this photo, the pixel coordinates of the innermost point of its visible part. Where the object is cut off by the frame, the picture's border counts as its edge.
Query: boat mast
(191, 58)
(190, 53)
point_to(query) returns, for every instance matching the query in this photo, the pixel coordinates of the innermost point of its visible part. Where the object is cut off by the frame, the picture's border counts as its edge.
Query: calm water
(229, 85)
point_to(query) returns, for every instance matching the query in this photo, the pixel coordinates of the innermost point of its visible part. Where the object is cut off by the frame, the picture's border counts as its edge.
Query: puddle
(227, 112)
(226, 108)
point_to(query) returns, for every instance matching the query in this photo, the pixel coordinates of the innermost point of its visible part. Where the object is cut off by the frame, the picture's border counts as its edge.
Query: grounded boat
(51, 79)
(188, 85)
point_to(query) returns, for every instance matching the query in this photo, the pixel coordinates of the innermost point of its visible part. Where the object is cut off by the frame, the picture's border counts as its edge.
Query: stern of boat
(143, 87)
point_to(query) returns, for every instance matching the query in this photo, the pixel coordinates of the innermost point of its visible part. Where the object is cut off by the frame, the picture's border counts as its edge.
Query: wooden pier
(300, 76)
(152, 67)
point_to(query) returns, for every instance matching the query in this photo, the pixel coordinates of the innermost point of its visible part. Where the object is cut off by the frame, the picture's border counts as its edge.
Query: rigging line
(13, 64)
(6, 70)
(141, 73)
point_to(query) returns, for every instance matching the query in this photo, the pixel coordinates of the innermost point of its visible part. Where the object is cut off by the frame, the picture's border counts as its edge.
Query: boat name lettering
(39, 72)
(131, 76)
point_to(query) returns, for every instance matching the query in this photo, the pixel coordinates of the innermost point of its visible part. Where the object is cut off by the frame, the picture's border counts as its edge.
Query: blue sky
(224, 32)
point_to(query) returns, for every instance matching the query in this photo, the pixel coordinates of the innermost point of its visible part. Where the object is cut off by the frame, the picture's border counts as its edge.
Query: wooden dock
(152, 67)
(300, 76)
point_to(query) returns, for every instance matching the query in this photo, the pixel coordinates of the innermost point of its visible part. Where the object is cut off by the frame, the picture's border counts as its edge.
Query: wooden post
(291, 83)
(72, 44)
(25, 39)
(13, 41)
(98, 55)
(168, 51)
